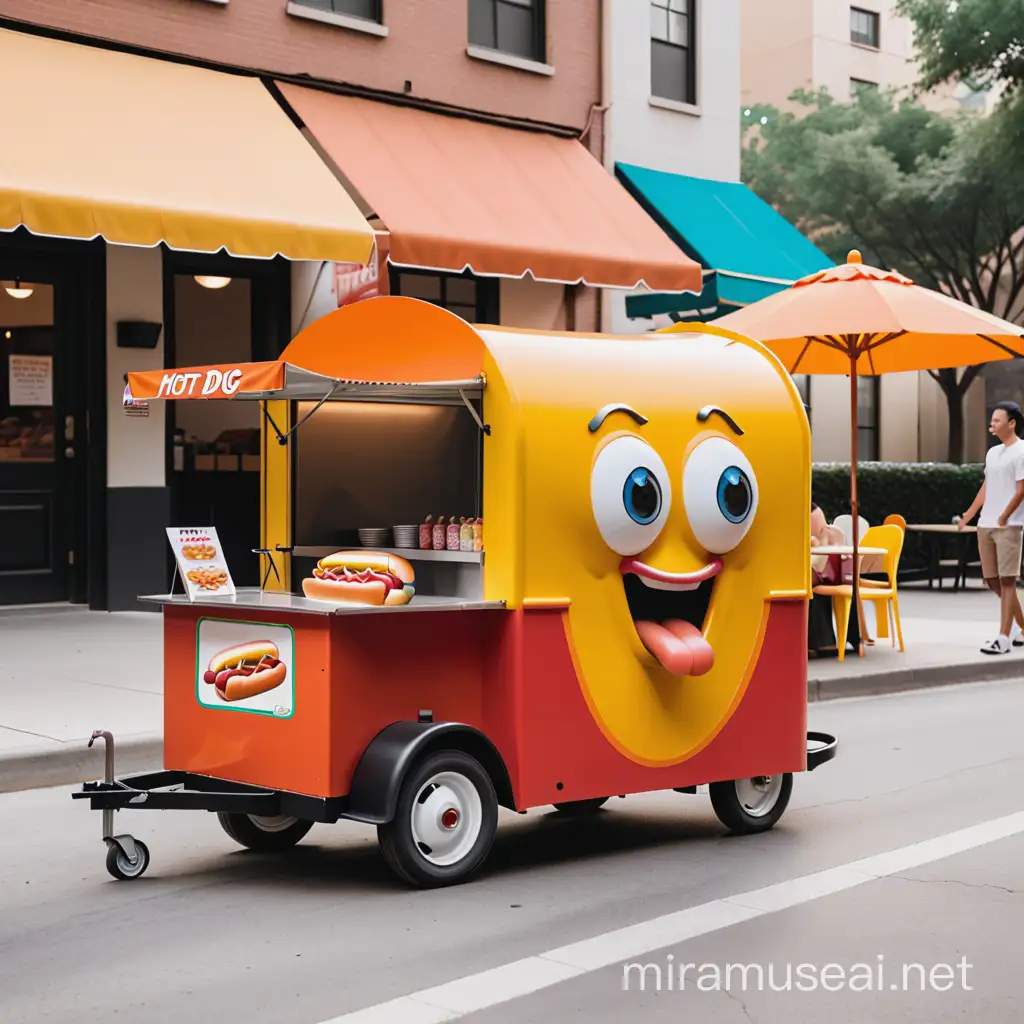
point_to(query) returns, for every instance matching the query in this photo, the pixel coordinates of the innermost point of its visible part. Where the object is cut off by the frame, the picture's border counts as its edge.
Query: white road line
(479, 991)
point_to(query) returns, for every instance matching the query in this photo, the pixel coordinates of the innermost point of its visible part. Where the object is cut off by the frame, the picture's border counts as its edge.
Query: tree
(938, 197)
(980, 42)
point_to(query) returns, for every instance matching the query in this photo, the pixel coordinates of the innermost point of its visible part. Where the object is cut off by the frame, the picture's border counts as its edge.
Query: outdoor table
(846, 550)
(936, 533)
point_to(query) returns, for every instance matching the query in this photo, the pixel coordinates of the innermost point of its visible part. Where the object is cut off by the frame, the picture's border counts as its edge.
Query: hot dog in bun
(246, 670)
(361, 577)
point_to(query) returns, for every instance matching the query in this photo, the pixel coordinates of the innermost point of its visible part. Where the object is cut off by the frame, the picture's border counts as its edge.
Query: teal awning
(747, 249)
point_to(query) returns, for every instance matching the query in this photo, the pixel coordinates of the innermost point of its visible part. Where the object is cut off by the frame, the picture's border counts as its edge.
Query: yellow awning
(95, 142)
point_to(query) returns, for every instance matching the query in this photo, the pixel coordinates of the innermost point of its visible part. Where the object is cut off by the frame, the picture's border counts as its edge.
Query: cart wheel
(444, 823)
(582, 808)
(263, 833)
(746, 806)
(121, 867)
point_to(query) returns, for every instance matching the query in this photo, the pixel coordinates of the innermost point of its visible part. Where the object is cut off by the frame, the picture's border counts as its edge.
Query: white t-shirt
(1004, 468)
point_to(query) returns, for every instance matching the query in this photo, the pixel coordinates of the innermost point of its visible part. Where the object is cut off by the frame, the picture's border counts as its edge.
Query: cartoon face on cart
(677, 526)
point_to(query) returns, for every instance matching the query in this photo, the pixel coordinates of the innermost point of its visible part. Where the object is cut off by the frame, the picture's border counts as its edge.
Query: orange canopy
(369, 348)
(456, 194)
(882, 317)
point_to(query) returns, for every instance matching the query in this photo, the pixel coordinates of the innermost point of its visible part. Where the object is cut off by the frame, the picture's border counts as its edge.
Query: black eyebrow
(602, 414)
(712, 410)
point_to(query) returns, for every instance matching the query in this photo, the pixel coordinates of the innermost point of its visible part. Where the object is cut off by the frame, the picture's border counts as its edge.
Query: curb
(904, 680)
(73, 762)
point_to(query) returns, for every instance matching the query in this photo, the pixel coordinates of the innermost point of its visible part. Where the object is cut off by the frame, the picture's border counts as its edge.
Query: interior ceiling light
(17, 292)
(212, 282)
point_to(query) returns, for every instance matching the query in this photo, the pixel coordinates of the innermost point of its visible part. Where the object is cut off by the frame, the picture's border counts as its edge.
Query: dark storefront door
(39, 437)
(242, 314)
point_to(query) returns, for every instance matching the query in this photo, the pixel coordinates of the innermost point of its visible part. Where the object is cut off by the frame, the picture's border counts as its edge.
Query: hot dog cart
(635, 620)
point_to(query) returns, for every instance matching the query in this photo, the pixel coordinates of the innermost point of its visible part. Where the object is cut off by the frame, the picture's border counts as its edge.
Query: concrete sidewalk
(67, 672)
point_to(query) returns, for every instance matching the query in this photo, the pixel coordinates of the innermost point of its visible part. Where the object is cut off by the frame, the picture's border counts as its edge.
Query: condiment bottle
(454, 534)
(466, 535)
(439, 534)
(426, 534)
(478, 534)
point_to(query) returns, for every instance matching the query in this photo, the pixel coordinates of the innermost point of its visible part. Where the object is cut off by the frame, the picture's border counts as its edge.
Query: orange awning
(456, 194)
(142, 151)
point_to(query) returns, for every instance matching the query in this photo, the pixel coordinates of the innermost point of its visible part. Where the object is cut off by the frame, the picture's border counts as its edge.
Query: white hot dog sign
(187, 385)
(245, 666)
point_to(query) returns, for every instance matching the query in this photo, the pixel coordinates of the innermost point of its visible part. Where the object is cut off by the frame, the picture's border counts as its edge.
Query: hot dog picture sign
(201, 562)
(245, 666)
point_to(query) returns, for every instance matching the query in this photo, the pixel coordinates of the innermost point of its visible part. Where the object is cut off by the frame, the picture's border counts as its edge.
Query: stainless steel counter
(255, 599)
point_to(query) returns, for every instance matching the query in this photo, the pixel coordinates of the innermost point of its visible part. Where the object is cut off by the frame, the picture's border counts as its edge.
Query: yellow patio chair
(891, 538)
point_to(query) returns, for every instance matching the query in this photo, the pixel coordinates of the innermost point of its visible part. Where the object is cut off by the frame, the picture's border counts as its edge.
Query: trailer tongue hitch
(108, 743)
(127, 857)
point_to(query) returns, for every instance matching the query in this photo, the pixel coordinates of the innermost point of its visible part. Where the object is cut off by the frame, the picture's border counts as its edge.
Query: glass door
(36, 447)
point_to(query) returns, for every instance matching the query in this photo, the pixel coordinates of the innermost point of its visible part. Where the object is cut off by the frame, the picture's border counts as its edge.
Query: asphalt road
(216, 933)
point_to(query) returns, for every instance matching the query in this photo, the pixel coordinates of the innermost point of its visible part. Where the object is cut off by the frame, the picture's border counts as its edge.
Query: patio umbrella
(855, 319)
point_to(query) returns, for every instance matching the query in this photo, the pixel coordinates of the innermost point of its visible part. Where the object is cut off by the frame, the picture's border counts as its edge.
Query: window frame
(875, 19)
(539, 54)
(803, 386)
(874, 427)
(487, 290)
(859, 85)
(378, 6)
(691, 97)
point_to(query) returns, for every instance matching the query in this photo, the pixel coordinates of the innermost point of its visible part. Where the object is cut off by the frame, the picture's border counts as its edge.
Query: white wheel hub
(757, 796)
(447, 816)
(275, 823)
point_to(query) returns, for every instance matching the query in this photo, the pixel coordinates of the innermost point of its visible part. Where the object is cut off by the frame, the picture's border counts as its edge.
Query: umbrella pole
(853, 488)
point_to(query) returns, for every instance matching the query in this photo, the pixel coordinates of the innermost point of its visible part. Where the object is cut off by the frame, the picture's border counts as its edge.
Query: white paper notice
(31, 380)
(201, 562)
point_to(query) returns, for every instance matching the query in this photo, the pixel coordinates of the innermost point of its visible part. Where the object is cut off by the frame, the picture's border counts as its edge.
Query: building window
(803, 385)
(864, 27)
(868, 392)
(859, 85)
(510, 26)
(673, 50)
(369, 10)
(472, 298)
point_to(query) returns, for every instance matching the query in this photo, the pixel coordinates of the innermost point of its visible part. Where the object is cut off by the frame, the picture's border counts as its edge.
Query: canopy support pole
(283, 438)
(485, 427)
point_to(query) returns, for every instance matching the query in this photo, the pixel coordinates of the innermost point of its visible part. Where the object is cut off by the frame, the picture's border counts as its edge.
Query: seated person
(826, 569)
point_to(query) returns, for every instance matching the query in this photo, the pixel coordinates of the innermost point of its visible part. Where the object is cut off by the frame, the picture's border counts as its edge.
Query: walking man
(1001, 525)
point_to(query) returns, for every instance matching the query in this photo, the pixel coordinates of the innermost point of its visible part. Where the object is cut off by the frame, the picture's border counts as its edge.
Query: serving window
(380, 464)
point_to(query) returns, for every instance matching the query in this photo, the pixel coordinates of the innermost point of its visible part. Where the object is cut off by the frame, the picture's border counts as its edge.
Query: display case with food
(636, 621)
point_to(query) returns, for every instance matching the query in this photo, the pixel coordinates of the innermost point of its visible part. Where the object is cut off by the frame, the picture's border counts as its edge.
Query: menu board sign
(31, 380)
(201, 562)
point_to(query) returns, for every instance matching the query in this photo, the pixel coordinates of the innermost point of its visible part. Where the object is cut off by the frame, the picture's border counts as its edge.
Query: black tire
(413, 860)
(582, 808)
(121, 868)
(738, 813)
(247, 830)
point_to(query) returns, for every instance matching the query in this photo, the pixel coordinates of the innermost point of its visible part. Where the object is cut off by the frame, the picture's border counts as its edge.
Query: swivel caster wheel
(127, 857)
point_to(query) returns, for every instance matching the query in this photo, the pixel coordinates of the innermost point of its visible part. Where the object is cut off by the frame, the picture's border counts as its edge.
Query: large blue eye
(642, 496)
(735, 495)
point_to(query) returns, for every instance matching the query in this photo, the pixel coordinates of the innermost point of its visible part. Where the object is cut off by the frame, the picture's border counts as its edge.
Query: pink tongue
(678, 645)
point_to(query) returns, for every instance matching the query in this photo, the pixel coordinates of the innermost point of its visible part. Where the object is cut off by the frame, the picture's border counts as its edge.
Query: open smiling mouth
(668, 610)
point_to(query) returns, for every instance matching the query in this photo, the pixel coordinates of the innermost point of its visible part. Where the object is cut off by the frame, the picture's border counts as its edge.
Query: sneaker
(1001, 645)
(1017, 636)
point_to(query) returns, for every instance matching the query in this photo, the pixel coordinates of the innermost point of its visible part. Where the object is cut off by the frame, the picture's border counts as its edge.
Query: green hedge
(921, 492)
